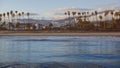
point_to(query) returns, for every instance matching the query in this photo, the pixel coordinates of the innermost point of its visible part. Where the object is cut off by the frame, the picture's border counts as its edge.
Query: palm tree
(112, 23)
(69, 15)
(50, 25)
(117, 15)
(28, 14)
(79, 13)
(0, 17)
(112, 14)
(96, 14)
(16, 14)
(87, 17)
(100, 17)
(13, 16)
(106, 13)
(92, 14)
(8, 14)
(65, 13)
(4, 16)
(101, 23)
(23, 14)
(82, 13)
(87, 12)
(74, 13)
(117, 20)
(19, 14)
(11, 13)
(23, 18)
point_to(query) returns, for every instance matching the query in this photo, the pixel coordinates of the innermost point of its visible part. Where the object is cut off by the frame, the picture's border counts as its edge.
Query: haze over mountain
(45, 7)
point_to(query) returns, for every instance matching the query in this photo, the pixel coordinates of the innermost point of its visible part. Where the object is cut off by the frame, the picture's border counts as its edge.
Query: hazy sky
(44, 6)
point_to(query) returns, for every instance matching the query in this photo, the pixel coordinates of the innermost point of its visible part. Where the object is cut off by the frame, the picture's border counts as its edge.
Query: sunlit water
(102, 50)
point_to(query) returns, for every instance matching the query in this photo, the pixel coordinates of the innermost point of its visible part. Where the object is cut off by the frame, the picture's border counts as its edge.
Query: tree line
(84, 23)
(8, 18)
(81, 20)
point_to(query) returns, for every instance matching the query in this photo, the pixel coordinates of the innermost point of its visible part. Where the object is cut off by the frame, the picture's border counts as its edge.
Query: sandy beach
(10, 33)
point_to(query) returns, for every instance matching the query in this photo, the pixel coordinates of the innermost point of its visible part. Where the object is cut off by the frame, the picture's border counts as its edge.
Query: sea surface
(74, 51)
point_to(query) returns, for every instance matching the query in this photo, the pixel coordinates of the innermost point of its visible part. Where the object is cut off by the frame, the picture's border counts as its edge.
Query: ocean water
(100, 50)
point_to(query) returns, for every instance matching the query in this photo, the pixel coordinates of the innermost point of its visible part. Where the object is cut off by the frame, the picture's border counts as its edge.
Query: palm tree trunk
(24, 22)
(9, 22)
(28, 19)
(104, 26)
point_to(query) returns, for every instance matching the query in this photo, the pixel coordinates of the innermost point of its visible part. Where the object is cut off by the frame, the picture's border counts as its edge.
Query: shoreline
(59, 34)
